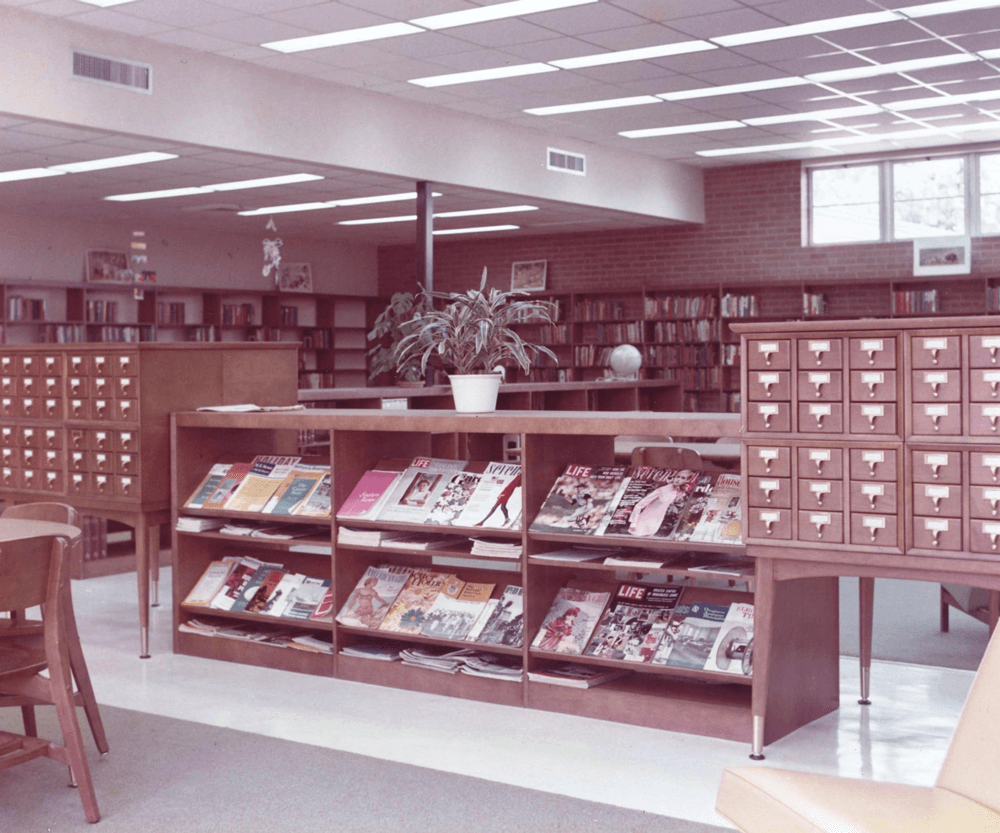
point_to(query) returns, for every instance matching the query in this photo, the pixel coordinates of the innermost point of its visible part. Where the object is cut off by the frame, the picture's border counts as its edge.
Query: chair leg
(28, 717)
(82, 676)
(76, 757)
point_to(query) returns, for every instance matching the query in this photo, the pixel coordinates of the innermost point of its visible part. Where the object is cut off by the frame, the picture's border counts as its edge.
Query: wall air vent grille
(568, 163)
(113, 72)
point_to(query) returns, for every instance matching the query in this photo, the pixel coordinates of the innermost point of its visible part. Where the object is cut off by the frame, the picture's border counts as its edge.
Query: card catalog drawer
(821, 495)
(775, 524)
(820, 353)
(769, 416)
(873, 496)
(817, 525)
(939, 385)
(769, 460)
(937, 534)
(819, 461)
(820, 386)
(938, 500)
(873, 353)
(869, 464)
(770, 491)
(821, 417)
(939, 418)
(765, 385)
(936, 351)
(873, 385)
(873, 530)
(769, 354)
(873, 418)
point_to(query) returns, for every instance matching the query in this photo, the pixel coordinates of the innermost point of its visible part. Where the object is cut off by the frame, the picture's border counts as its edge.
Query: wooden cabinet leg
(142, 531)
(764, 598)
(154, 565)
(866, 612)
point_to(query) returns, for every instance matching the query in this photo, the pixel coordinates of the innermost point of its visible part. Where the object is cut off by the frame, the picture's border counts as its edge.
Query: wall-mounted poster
(106, 266)
(942, 256)
(295, 277)
(528, 276)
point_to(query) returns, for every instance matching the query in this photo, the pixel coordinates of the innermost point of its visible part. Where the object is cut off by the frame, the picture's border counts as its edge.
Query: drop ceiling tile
(191, 13)
(978, 41)
(57, 8)
(255, 7)
(351, 57)
(501, 33)
(299, 64)
(912, 51)
(580, 20)
(331, 17)
(946, 75)
(631, 37)
(963, 23)
(699, 62)
(638, 71)
(254, 30)
(723, 23)
(405, 70)
(882, 34)
(116, 21)
(414, 8)
(190, 39)
(427, 45)
(806, 11)
(826, 62)
(789, 49)
(667, 10)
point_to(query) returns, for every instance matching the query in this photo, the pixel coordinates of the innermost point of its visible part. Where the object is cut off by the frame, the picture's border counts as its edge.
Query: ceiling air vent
(569, 163)
(115, 73)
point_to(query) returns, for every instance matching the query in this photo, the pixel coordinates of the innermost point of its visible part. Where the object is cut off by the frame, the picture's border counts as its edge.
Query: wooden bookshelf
(680, 700)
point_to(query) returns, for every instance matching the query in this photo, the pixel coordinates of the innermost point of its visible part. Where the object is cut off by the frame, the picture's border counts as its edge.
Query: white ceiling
(235, 29)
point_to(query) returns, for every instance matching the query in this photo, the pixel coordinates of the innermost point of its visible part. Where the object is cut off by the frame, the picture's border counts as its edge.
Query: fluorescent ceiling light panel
(948, 7)
(646, 53)
(371, 221)
(304, 44)
(211, 189)
(707, 127)
(113, 162)
(606, 104)
(104, 4)
(516, 8)
(888, 69)
(409, 195)
(482, 75)
(814, 27)
(734, 89)
(762, 148)
(475, 212)
(815, 115)
(475, 230)
(285, 209)
(28, 173)
(941, 101)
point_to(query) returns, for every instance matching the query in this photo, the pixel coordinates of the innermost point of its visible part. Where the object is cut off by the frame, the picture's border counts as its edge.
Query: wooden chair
(64, 514)
(966, 795)
(33, 559)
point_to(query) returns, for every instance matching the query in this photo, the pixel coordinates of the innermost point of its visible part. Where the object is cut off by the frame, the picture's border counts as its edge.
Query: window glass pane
(929, 198)
(845, 204)
(989, 193)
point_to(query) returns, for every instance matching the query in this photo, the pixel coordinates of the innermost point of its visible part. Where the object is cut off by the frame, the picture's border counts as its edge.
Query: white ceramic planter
(475, 393)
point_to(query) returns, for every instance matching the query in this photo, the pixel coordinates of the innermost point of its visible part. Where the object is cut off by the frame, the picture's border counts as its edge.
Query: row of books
(243, 584)
(438, 491)
(20, 308)
(272, 484)
(679, 505)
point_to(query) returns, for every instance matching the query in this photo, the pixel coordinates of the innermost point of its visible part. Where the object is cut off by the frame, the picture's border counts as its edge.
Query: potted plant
(472, 337)
(394, 322)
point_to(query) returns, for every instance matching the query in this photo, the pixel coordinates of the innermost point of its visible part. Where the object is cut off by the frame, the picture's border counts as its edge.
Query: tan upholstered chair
(965, 797)
(63, 514)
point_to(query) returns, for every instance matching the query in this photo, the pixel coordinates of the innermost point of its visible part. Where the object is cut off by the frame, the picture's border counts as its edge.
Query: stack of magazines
(496, 548)
(188, 524)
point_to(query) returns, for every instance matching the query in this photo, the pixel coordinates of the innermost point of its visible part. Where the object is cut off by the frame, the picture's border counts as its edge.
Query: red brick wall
(752, 235)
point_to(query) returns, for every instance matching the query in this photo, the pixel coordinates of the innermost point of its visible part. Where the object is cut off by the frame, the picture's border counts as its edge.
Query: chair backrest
(32, 573)
(667, 457)
(973, 760)
(60, 513)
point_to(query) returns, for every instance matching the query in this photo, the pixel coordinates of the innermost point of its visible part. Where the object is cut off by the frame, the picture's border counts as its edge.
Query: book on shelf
(415, 600)
(721, 521)
(505, 625)
(578, 499)
(690, 634)
(296, 487)
(572, 675)
(267, 472)
(318, 503)
(635, 621)
(265, 590)
(305, 598)
(372, 596)
(211, 582)
(369, 494)
(236, 582)
(227, 486)
(570, 621)
(496, 501)
(456, 609)
(208, 485)
(452, 498)
(650, 502)
(419, 486)
(732, 651)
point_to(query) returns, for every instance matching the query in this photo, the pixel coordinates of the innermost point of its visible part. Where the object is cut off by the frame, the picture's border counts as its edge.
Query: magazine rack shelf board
(803, 656)
(88, 425)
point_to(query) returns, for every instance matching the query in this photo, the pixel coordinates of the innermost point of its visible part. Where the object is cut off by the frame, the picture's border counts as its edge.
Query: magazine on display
(732, 651)
(496, 501)
(578, 500)
(456, 610)
(571, 620)
(721, 520)
(650, 502)
(505, 625)
(229, 484)
(417, 489)
(372, 596)
(369, 494)
(266, 473)
(215, 476)
(295, 488)
(415, 600)
(452, 498)
(690, 635)
(634, 622)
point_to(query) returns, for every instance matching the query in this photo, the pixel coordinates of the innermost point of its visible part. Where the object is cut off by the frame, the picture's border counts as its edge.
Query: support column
(425, 234)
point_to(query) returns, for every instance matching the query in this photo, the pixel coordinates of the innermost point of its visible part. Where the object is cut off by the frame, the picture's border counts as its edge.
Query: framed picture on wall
(528, 276)
(106, 266)
(295, 277)
(942, 256)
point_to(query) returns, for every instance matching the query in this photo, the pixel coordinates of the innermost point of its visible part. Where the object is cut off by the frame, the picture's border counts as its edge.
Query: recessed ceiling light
(28, 173)
(304, 44)
(871, 70)
(474, 212)
(104, 4)
(813, 27)
(941, 101)
(948, 7)
(219, 186)
(648, 132)
(606, 104)
(476, 230)
(516, 8)
(371, 221)
(734, 89)
(482, 75)
(408, 195)
(317, 206)
(815, 115)
(646, 53)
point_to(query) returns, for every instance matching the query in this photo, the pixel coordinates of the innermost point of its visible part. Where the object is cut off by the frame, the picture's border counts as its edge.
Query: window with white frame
(885, 200)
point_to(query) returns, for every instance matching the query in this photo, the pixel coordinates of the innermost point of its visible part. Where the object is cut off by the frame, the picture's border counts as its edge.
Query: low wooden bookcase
(675, 699)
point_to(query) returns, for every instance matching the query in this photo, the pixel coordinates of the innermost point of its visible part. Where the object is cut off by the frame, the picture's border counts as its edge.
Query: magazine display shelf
(690, 701)
(870, 450)
(88, 425)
